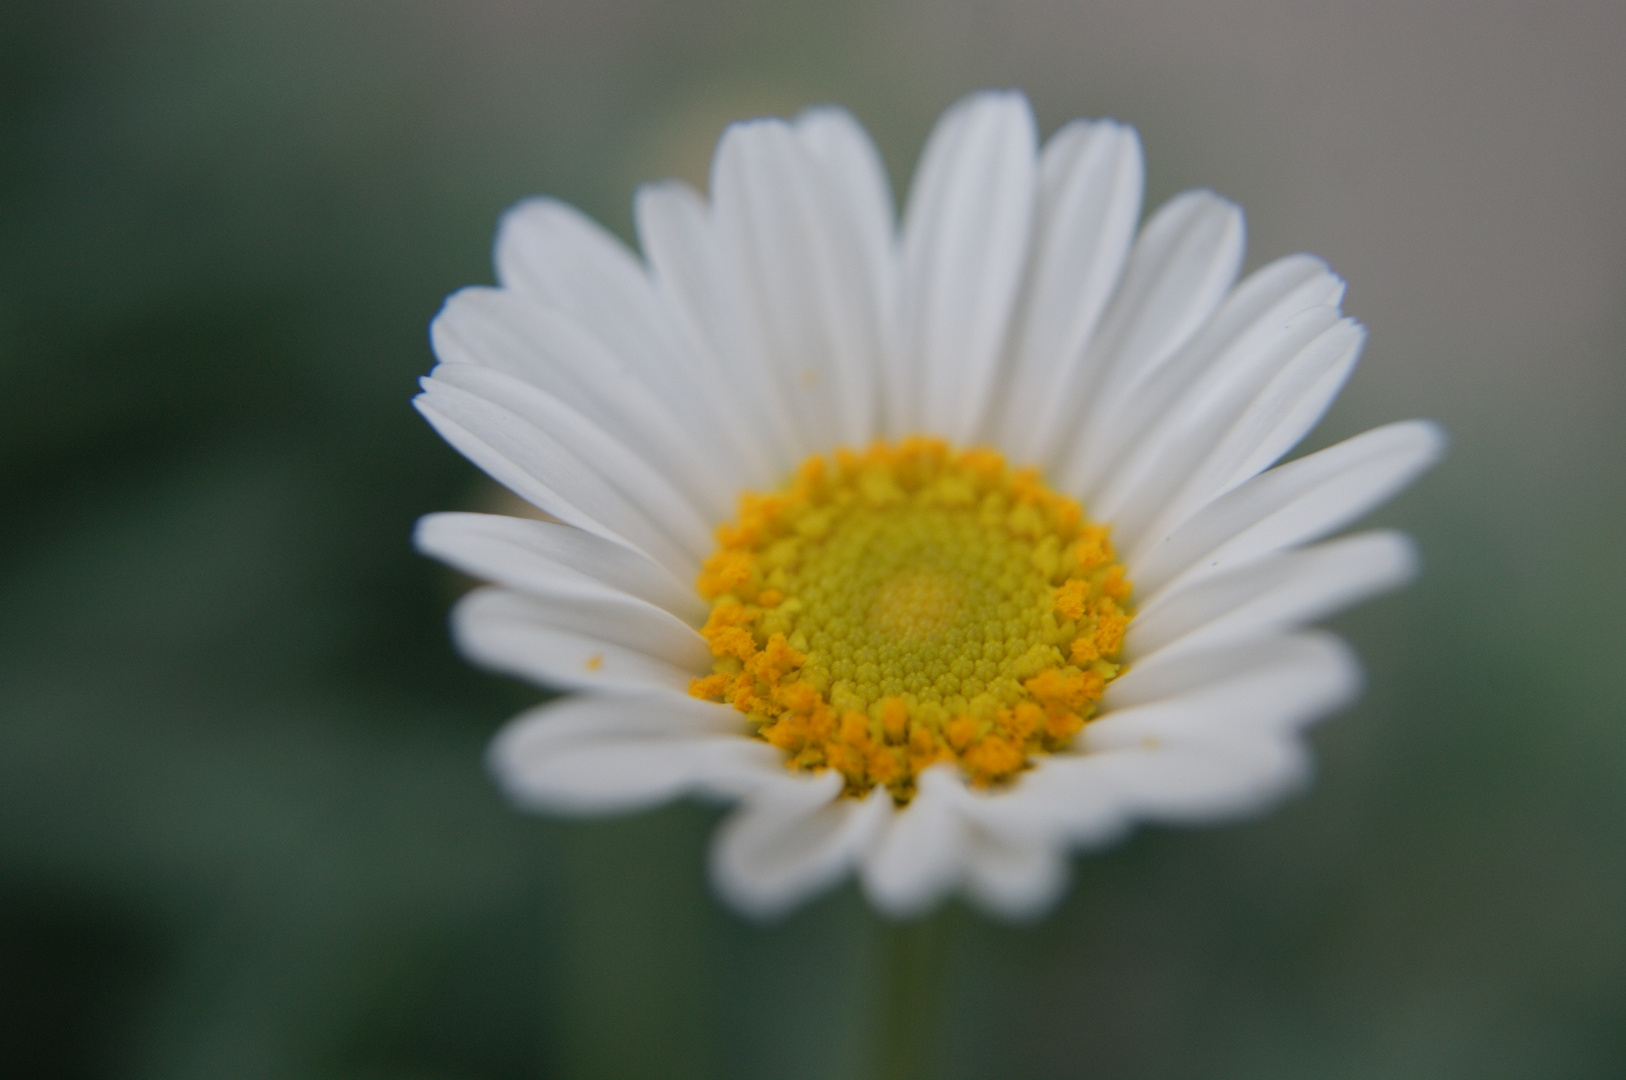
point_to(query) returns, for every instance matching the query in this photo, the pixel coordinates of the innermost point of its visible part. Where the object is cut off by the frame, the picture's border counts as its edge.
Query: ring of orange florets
(912, 604)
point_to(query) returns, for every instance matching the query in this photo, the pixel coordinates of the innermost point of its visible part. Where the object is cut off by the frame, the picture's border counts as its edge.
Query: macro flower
(940, 549)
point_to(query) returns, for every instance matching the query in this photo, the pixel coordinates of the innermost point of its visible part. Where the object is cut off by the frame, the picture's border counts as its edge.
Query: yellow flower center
(910, 604)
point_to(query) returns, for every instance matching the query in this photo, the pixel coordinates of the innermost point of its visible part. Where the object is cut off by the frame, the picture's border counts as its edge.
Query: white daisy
(817, 485)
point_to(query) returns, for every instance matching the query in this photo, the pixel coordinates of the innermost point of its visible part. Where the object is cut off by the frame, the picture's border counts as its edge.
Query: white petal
(562, 258)
(498, 423)
(856, 172)
(1250, 318)
(1249, 337)
(1181, 784)
(920, 854)
(633, 474)
(965, 241)
(1015, 863)
(603, 752)
(675, 233)
(1275, 684)
(531, 555)
(605, 642)
(1068, 798)
(1291, 504)
(1090, 180)
(1277, 418)
(1179, 270)
(507, 555)
(1281, 592)
(511, 332)
(795, 838)
(859, 176)
(516, 455)
(688, 261)
(802, 271)
(1178, 441)
(1014, 881)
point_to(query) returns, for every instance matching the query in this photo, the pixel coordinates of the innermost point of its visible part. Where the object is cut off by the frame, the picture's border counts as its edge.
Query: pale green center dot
(915, 604)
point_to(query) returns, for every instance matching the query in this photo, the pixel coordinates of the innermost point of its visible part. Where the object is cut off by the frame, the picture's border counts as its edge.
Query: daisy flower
(939, 550)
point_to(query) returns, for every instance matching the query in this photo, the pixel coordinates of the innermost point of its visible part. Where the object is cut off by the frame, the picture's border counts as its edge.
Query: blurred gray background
(244, 830)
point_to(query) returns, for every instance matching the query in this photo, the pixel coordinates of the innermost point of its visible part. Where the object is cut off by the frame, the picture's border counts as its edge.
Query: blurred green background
(244, 829)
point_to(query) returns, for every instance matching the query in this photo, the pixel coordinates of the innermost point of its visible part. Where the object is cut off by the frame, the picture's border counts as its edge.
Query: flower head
(940, 550)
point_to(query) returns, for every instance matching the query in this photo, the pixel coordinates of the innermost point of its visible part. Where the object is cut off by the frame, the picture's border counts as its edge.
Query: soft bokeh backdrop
(244, 829)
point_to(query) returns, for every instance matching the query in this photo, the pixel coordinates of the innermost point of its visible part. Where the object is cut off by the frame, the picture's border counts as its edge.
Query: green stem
(911, 959)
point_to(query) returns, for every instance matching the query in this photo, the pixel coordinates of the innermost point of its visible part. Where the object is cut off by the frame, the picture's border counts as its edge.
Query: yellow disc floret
(910, 604)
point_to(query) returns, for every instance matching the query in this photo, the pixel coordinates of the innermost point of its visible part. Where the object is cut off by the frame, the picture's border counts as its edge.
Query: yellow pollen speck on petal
(908, 604)
(594, 662)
